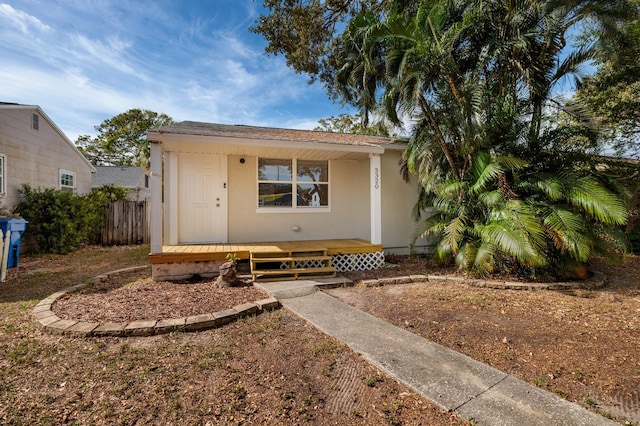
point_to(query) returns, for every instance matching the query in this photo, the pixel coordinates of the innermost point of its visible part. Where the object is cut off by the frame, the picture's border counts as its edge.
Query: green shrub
(61, 221)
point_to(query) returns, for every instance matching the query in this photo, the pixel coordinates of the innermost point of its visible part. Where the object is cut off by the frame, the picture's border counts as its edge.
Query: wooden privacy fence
(126, 222)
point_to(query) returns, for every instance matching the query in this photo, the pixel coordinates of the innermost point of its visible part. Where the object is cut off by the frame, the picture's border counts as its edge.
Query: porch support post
(170, 230)
(156, 197)
(375, 181)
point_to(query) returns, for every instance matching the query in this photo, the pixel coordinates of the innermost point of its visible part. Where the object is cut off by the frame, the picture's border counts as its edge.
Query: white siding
(398, 199)
(35, 157)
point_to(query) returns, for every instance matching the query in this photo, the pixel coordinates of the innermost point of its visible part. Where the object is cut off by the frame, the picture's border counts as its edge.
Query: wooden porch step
(288, 253)
(290, 259)
(295, 273)
(295, 264)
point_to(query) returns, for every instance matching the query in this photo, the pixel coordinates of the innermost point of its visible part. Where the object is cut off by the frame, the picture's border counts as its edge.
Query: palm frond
(596, 201)
(512, 242)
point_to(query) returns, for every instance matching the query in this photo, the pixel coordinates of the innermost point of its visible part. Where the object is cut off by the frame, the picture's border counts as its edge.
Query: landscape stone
(387, 281)
(227, 277)
(246, 309)
(225, 317)
(437, 277)
(48, 319)
(61, 326)
(48, 301)
(200, 322)
(169, 325)
(371, 283)
(140, 328)
(42, 308)
(110, 329)
(82, 328)
(268, 304)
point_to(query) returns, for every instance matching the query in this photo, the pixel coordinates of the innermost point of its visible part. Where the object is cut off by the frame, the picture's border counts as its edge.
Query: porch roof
(197, 137)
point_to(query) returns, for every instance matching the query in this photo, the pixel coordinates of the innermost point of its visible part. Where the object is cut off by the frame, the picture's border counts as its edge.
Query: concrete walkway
(449, 379)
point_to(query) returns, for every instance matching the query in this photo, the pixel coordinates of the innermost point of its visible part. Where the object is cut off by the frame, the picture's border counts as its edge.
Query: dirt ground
(583, 345)
(273, 368)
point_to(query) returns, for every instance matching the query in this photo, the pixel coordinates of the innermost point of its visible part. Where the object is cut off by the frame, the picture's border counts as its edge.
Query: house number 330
(376, 178)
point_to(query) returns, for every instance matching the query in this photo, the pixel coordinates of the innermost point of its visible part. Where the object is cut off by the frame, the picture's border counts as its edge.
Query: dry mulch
(270, 369)
(581, 344)
(138, 297)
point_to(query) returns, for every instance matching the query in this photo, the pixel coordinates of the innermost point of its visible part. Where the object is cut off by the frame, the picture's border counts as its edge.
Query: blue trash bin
(17, 228)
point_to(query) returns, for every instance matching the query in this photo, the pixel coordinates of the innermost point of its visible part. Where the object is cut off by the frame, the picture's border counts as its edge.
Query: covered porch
(308, 202)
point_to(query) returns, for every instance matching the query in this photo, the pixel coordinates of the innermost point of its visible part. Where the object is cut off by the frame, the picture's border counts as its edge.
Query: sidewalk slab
(445, 377)
(514, 401)
(288, 289)
(285, 290)
(449, 379)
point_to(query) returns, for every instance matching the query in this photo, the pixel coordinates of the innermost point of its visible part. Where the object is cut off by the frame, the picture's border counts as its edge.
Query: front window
(67, 181)
(279, 186)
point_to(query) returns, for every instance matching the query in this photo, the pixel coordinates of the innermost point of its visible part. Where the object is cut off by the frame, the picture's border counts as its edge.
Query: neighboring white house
(34, 151)
(220, 189)
(135, 179)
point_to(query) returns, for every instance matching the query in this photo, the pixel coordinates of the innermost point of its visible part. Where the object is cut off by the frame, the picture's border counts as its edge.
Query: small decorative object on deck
(227, 277)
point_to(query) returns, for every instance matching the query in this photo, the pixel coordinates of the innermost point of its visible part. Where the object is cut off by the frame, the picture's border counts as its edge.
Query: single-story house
(135, 179)
(34, 151)
(296, 203)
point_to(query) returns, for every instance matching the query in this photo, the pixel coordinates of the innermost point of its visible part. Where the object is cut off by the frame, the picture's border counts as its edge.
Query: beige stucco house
(305, 202)
(34, 151)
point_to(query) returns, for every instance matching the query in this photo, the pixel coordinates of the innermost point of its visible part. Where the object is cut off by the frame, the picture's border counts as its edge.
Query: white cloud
(98, 52)
(21, 20)
(97, 62)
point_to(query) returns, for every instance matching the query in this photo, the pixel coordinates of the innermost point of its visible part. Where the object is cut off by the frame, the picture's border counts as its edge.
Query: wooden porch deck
(209, 252)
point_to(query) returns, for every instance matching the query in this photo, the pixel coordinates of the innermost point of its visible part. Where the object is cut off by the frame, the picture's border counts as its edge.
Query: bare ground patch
(583, 345)
(269, 369)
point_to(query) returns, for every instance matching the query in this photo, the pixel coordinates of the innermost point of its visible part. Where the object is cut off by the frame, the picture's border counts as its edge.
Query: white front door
(202, 199)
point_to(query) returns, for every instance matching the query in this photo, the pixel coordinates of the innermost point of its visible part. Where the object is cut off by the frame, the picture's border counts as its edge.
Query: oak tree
(122, 140)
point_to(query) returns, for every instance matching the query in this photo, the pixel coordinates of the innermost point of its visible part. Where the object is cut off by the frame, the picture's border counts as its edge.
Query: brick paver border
(50, 322)
(597, 280)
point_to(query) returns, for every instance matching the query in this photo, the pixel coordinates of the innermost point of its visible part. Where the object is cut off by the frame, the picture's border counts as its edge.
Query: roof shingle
(266, 133)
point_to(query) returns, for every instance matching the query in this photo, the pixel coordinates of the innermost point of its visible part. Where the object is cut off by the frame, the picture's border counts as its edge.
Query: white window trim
(294, 182)
(3, 184)
(67, 172)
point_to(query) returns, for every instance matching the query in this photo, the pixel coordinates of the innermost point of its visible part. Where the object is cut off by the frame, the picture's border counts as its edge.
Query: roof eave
(159, 137)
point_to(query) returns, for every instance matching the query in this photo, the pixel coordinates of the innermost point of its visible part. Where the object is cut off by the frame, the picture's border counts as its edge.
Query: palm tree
(477, 78)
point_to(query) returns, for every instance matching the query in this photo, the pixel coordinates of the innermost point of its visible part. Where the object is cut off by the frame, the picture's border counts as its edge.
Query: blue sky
(84, 61)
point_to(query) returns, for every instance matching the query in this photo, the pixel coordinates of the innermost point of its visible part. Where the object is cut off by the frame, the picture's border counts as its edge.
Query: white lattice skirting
(344, 262)
(308, 264)
(358, 261)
